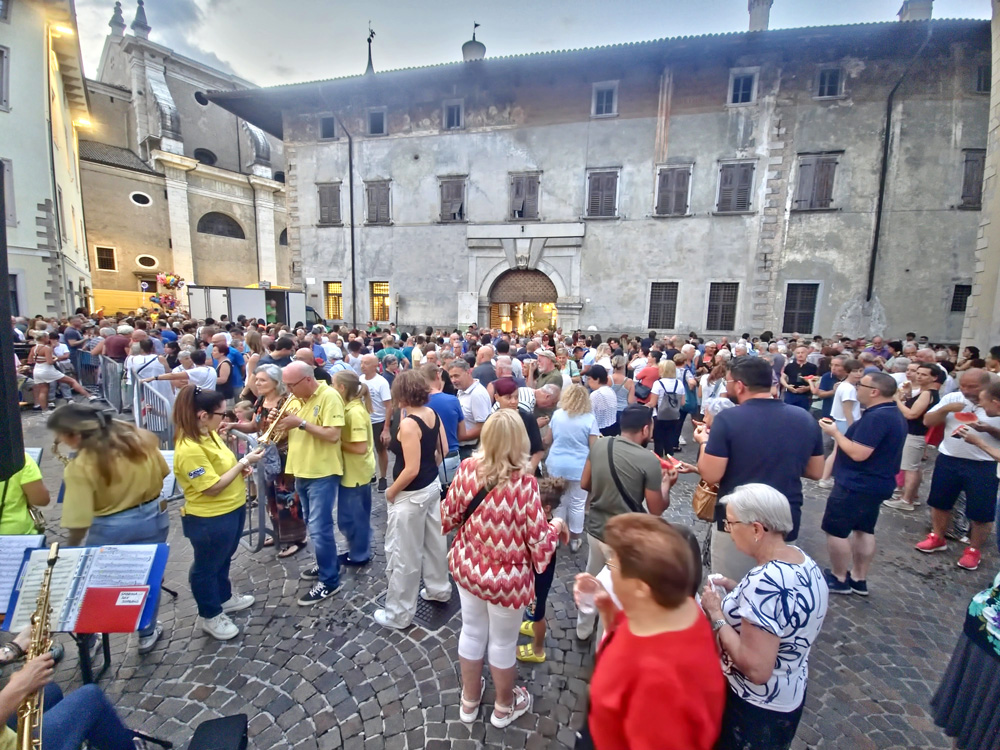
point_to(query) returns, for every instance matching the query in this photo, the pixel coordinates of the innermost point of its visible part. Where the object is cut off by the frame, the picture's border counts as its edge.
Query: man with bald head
(381, 395)
(306, 355)
(963, 467)
(484, 371)
(315, 460)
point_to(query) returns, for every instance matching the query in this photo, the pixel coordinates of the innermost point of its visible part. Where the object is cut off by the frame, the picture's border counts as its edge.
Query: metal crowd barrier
(257, 529)
(156, 414)
(88, 371)
(111, 385)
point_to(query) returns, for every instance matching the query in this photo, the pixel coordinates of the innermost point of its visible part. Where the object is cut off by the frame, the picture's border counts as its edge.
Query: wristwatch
(717, 625)
(302, 425)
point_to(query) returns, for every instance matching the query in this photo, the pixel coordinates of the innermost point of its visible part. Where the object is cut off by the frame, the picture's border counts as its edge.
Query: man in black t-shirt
(793, 379)
(281, 355)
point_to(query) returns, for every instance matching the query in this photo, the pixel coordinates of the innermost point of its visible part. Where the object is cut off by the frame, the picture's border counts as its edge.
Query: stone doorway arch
(523, 300)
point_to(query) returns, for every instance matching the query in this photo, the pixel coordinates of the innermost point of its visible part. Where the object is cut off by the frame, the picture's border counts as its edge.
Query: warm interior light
(63, 30)
(81, 122)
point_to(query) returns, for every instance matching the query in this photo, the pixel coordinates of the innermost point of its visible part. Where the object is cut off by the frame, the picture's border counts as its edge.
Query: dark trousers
(215, 541)
(666, 435)
(749, 727)
(84, 714)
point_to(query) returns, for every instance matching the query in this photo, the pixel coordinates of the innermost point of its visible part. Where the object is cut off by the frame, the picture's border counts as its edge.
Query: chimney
(760, 14)
(916, 10)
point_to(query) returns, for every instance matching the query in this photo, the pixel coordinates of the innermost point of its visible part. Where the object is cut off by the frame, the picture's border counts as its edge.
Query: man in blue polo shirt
(864, 475)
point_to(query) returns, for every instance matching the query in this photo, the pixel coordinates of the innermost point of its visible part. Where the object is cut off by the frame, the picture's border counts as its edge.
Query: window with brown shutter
(815, 184)
(672, 191)
(722, 299)
(452, 200)
(735, 187)
(662, 304)
(984, 78)
(329, 203)
(602, 194)
(800, 308)
(377, 195)
(8, 192)
(523, 197)
(972, 181)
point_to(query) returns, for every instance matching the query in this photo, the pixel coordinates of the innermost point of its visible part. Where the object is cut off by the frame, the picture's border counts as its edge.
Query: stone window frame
(147, 196)
(460, 103)
(155, 263)
(319, 127)
(735, 73)
(736, 312)
(604, 86)
(722, 164)
(649, 302)
(114, 258)
(384, 111)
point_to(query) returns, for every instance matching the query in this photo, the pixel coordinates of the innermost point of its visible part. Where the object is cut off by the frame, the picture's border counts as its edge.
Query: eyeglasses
(728, 525)
(218, 413)
(292, 385)
(866, 385)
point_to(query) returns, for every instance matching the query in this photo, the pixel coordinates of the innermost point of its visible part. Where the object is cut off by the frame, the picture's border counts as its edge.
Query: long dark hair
(189, 402)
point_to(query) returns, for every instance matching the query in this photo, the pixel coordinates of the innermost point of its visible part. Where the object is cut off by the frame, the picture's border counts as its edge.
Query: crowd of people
(517, 445)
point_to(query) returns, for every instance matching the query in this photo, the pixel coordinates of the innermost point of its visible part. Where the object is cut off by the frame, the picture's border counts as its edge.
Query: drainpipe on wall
(884, 171)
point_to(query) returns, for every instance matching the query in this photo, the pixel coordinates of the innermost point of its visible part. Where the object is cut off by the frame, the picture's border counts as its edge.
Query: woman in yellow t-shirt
(16, 494)
(214, 505)
(113, 485)
(354, 505)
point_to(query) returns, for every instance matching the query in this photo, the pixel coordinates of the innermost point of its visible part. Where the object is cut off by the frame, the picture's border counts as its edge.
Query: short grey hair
(273, 372)
(763, 504)
(124, 330)
(899, 364)
(552, 389)
(725, 355)
(388, 359)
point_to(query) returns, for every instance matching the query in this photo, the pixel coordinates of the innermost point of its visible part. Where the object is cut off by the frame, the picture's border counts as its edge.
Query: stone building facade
(173, 183)
(43, 103)
(719, 184)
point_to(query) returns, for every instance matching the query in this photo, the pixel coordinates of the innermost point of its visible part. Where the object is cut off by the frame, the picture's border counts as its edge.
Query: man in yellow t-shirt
(315, 460)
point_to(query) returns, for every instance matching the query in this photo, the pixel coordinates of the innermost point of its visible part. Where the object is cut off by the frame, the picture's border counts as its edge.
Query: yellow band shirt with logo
(198, 464)
(310, 457)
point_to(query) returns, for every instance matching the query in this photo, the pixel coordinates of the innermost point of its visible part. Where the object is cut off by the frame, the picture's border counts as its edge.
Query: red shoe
(933, 543)
(970, 558)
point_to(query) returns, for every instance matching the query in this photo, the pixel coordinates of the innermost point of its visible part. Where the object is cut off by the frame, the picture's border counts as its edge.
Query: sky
(270, 42)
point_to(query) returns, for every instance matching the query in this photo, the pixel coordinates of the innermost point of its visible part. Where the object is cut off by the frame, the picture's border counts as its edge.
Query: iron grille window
(329, 203)
(984, 77)
(333, 300)
(972, 179)
(377, 194)
(327, 128)
(800, 308)
(378, 300)
(603, 194)
(453, 116)
(662, 304)
(960, 298)
(735, 187)
(815, 188)
(672, 191)
(829, 82)
(452, 200)
(742, 88)
(106, 259)
(722, 298)
(221, 225)
(523, 196)
(605, 100)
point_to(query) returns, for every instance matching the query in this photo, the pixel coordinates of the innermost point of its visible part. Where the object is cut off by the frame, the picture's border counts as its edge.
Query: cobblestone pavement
(329, 677)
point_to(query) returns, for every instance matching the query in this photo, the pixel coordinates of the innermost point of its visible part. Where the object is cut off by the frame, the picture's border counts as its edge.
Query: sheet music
(65, 577)
(169, 481)
(11, 554)
(121, 565)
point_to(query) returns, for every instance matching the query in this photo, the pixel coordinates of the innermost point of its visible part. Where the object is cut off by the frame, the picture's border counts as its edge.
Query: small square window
(454, 115)
(327, 128)
(828, 85)
(960, 297)
(106, 259)
(605, 99)
(376, 122)
(742, 87)
(984, 76)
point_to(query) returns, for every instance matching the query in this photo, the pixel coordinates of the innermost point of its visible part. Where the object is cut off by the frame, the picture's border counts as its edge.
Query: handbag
(632, 505)
(642, 392)
(704, 499)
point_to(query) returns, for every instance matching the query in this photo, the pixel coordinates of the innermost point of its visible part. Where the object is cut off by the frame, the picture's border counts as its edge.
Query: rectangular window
(984, 78)
(378, 300)
(800, 308)
(106, 259)
(960, 298)
(376, 121)
(523, 197)
(735, 187)
(662, 304)
(815, 187)
(453, 200)
(329, 203)
(722, 306)
(605, 99)
(333, 300)
(602, 195)
(8, 192)
(742, 86)
(377, 195)
(454, 114)
(972, 179)
(5, 10)
(828, 83)
(15, 306)
(672, 191)
(327, 128)
(4, 77)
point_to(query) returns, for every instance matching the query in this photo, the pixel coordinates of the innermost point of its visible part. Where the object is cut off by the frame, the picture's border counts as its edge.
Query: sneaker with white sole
(238, 602)
(220, 627)
(425, 595)
(933, 543)
(382, 619)
(899, 505)
(681, 441)
(310, 574)
(970, 559)
(146, 642)
(825, 484)
(318, 593)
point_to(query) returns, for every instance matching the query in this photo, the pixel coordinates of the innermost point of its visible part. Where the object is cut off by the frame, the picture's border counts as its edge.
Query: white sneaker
(238, 602)
(146, 642)
(682, 441)
(898, 505)
(220, 627)
(825, 484)
(425, 595)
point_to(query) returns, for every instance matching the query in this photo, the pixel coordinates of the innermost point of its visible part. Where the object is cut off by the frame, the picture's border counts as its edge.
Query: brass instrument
(271, 435)
(29, 713)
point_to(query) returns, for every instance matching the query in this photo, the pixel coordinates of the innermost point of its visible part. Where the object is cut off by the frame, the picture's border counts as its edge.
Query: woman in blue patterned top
(766, 624)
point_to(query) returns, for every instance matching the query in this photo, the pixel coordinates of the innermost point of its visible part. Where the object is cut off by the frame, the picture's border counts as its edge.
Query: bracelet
(243, 462)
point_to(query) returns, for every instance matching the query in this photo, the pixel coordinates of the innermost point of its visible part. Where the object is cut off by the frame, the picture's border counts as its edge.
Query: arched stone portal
(522, 301)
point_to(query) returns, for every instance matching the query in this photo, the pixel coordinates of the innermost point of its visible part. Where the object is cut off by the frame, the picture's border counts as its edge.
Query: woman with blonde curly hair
(574, 430)
(502, 539)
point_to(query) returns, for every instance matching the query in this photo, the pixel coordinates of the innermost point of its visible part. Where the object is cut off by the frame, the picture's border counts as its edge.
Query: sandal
(527, 653)
(473, 713)
(527, 628)
(291, 549)
(10, 653)
(522, 704)
(268, 542)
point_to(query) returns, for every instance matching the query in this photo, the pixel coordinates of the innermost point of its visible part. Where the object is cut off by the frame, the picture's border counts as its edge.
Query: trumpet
(29, 713)
(271, 434)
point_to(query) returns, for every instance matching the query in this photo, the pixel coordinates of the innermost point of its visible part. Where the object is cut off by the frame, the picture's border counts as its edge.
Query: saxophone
(29, 713)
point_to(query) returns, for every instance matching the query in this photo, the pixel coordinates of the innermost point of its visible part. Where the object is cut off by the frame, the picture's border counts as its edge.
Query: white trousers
(572, 506)
(484, 623)
(414, 544)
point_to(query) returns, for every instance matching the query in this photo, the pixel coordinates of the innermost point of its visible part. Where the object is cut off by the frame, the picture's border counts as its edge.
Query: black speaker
(11, 439)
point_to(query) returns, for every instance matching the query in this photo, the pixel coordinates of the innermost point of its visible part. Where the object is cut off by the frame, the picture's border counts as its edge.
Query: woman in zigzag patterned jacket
(502, 539)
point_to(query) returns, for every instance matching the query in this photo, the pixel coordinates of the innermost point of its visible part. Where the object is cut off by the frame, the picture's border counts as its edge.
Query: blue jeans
(215, 541)
(318, 496)
(84, 714)
(354, 514)
(142, 525)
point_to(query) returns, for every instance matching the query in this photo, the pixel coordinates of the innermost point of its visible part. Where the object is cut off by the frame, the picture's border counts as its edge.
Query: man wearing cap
(506, 391)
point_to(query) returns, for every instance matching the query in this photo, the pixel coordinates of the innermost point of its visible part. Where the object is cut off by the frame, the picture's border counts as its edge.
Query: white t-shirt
(716, 389)
(475, 406)
(845, 393)
(638, 363)
(662, 387)
(204, 377)
(332, 351)
(380, 392)
(957, 447)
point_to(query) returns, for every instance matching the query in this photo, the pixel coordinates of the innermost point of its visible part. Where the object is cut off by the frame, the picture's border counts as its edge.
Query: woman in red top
(498, 547)
(656, 684)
